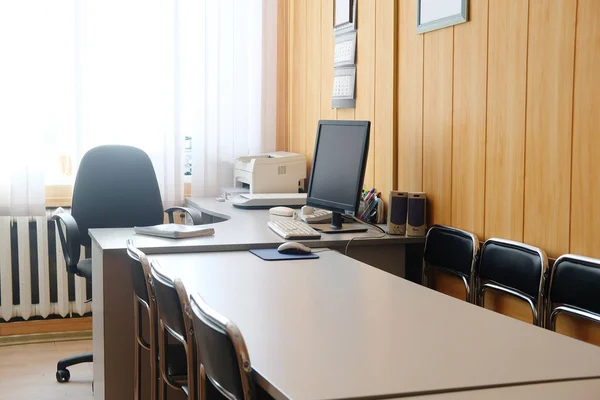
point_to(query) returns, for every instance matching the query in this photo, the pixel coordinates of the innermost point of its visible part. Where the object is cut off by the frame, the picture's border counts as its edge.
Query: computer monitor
(338, 167)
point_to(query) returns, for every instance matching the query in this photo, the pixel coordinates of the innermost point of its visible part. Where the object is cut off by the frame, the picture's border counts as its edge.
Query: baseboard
(45, 326)
(44, 337)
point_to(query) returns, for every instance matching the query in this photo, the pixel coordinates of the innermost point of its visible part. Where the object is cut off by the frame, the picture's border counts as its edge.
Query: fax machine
(277, 172)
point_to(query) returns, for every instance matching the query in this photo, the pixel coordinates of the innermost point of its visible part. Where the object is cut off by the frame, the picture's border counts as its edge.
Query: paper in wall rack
(345, 50)
(344, 86)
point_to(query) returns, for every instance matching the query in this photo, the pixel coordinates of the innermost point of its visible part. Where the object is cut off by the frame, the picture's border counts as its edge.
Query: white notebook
(175, 231)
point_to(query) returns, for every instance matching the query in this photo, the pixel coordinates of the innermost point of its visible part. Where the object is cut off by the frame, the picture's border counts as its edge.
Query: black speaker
(396, 222)
(416, 222)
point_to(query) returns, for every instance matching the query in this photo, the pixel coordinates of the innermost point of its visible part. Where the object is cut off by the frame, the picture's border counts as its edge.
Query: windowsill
(60, 195)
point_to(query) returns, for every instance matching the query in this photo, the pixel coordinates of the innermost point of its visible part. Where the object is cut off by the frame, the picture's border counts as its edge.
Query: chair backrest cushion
(450, 248)
(576, 282)
(216, 351)
(512, 264)
(168, 303)
(115, 187)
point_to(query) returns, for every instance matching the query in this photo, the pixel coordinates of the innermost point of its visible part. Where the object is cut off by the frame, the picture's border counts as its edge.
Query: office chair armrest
(192, 212)
(71, 242)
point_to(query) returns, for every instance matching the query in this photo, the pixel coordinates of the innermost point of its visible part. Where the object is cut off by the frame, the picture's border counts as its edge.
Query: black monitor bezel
(332, 206)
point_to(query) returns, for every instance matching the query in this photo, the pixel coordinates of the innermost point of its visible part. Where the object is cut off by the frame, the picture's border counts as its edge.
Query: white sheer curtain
(227, 105)
(80, 73)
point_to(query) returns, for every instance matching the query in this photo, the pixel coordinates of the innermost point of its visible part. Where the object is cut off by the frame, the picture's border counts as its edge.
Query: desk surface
(580, 390)
(335, 328)
(241, 230)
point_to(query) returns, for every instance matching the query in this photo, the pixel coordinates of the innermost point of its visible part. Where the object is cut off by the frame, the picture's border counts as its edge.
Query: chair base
(62, 373)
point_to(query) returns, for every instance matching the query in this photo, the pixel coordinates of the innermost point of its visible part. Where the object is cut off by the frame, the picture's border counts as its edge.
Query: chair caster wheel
(63, 375)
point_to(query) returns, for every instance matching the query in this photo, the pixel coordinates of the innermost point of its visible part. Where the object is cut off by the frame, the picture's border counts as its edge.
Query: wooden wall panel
(410, 99)
(437, 124)
(365, 79)
(469, 120)
(505, 148)
(385, 102)
(313, 76)
(327, 42)
(282, 74)
(297, 66)
(549, 124)
(585, 193)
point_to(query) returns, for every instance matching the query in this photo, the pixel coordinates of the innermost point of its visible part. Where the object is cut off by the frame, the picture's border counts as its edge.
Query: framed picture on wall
(344, 16)
(437, 14)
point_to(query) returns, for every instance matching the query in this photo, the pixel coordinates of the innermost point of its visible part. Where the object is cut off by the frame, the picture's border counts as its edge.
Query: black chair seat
(84, 268)
(176, 360)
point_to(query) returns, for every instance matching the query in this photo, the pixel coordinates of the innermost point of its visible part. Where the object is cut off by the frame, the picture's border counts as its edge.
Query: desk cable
(383, 233)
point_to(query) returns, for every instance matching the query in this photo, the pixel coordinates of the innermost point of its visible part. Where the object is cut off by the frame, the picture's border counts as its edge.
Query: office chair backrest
(140, 272)
(451, 249)
(575, 282)
(115, 187)
(168, 304)
(222, 351)
(513, 264)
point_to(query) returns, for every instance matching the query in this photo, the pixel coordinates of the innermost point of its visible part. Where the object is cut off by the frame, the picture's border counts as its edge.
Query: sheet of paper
(342, 12)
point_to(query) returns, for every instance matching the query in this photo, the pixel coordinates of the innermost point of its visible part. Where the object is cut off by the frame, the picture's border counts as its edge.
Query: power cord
(380, 229)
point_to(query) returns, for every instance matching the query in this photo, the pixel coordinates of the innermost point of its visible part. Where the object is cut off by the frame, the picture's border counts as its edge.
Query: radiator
(33, 278)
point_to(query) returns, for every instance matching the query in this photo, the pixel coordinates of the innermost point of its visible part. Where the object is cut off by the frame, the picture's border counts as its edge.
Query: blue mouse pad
(274, 255)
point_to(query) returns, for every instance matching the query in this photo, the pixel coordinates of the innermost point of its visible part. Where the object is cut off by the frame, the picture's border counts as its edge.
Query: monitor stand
(337, 227)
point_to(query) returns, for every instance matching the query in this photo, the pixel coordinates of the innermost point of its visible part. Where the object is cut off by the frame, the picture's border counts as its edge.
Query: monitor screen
(338, 167)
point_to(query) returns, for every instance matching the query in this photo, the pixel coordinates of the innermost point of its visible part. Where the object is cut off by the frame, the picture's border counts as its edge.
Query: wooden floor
(28, 372)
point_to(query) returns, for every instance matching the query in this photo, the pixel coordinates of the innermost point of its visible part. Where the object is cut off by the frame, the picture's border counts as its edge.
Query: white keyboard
(317, 217)
(293, 230)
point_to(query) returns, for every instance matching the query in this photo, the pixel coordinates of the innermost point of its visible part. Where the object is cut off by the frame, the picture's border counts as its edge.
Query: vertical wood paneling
(585, 193)
(327, 43)
(505, 149)
(549, 124)
(469, 120)
(297, 66)
(282, 74)
(313, 75)
(437, 124)
(410, 99)
(385, 101)
(365, 80)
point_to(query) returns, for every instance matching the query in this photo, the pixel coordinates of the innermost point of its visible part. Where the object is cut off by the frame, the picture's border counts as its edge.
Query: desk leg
(113, 332)
(414, 262)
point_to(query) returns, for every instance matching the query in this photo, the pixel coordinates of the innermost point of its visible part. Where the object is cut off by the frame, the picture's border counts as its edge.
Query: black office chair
(115, 187)
(224, 361)
(515, 269)
(452, 251)
(177, 361)
(574, 289)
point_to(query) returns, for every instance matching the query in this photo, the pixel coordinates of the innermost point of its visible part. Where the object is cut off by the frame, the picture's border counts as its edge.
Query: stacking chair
(177, 362)
(514, 269)
(143, 303)
(452, 251)
(115, 187)
(224, 362)
(574, 289)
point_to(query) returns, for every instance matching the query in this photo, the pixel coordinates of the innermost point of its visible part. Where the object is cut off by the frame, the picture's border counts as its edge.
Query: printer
(277, 172)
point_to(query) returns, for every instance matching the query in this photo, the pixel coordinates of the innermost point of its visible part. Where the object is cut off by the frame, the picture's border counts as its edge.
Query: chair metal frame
(216, 321)
(468, 283)
(554, 311)
(187, 342)
(139, 306)
(484, 285)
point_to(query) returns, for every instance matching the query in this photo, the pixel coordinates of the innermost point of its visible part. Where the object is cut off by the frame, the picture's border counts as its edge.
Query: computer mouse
(282, 211)
(294, 248)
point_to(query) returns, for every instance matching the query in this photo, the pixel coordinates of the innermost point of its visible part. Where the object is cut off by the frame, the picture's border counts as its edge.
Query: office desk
(579, 390)
(335, 328)
(238, 230)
